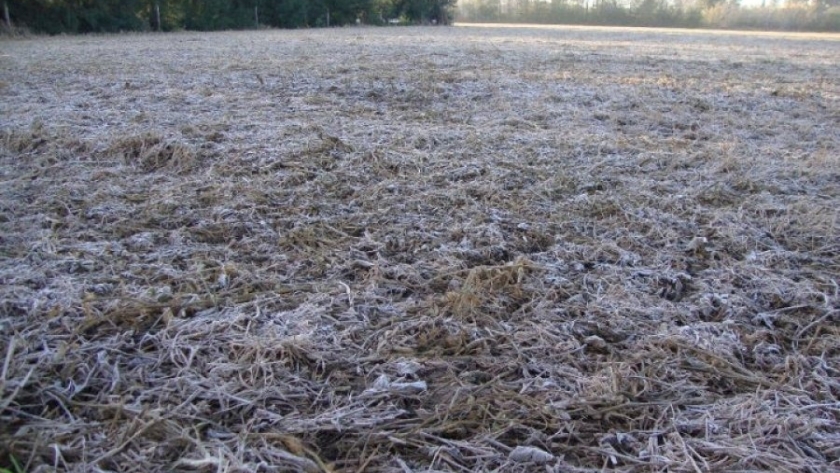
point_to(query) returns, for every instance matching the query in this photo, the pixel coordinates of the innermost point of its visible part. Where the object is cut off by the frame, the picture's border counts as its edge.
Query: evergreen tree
(88, 16)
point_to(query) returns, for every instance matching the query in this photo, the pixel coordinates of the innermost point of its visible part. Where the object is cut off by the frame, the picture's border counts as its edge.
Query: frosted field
(420, 249)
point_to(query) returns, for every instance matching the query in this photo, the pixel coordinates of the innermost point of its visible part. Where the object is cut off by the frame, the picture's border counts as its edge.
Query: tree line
(802, 15)
(95, 16)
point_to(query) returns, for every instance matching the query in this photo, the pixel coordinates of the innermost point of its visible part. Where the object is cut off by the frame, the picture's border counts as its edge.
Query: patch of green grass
(15, 466)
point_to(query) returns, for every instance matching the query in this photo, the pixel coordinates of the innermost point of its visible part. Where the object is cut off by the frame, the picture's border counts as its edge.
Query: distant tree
(338, 12)
(424, 11)
(655, 13)
(284, 13)
(490, 10)
(88, 16)
(6, 17)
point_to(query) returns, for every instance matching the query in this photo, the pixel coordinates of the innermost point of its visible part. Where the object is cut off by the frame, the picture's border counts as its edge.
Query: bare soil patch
(420, 249)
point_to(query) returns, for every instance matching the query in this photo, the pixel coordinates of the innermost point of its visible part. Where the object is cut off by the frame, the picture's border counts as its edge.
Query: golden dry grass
(420, 249)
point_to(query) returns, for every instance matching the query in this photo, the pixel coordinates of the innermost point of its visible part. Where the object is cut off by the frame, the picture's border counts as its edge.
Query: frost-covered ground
(418, 249)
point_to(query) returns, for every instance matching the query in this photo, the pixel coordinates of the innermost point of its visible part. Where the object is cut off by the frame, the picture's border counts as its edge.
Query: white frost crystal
(530, 455)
